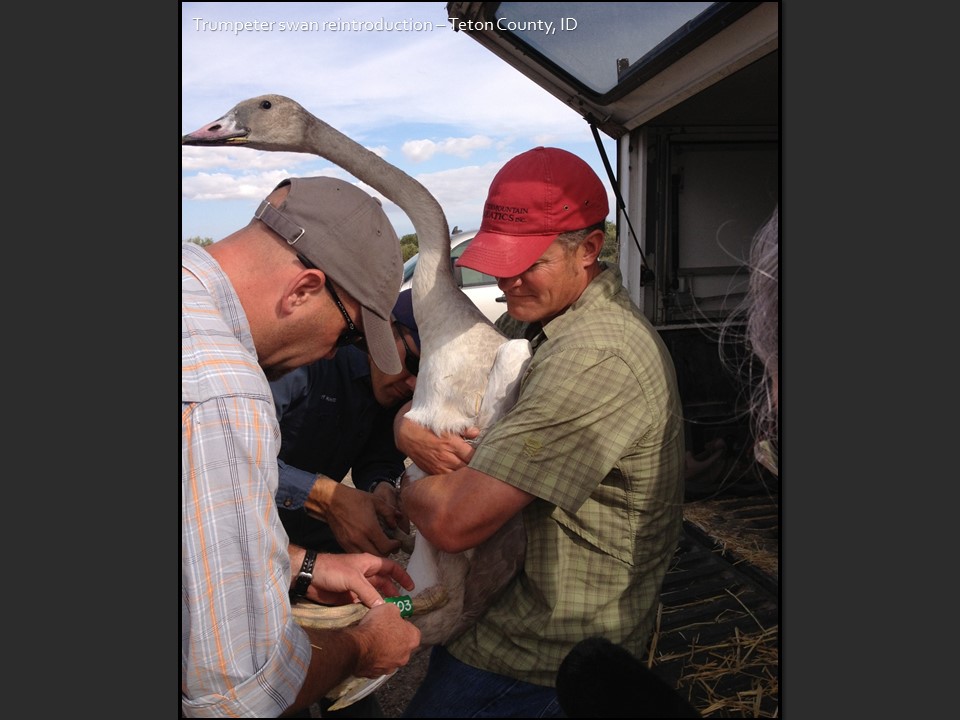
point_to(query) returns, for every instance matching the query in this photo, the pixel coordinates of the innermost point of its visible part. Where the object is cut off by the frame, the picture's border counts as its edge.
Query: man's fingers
(388, 547)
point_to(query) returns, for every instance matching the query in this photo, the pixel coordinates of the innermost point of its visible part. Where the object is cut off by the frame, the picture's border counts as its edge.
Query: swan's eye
(265, 105)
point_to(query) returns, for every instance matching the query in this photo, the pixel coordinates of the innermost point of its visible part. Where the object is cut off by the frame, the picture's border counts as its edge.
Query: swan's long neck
(433, 278)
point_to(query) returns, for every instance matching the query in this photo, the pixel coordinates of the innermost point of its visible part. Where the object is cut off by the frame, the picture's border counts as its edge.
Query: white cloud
(421, 150)
(238, 159)
(462, 192)
(225, 186)
(249, 186)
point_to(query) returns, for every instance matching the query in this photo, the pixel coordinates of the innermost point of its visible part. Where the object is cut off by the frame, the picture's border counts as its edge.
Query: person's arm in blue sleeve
(380, 460)
(289, 398)
(377, 470)
(294, 486)
(358, 516)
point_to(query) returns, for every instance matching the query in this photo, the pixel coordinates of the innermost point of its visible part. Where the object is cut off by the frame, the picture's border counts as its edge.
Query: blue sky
(433, 102)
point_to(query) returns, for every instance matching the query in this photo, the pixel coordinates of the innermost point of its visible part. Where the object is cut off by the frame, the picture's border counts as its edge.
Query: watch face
(303, 584)
(305, 576)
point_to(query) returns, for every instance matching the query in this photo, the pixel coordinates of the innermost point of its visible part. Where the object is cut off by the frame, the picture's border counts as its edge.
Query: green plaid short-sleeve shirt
(597, 436)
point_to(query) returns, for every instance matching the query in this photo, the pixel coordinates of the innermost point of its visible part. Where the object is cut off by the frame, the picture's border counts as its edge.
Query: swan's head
(267, 122)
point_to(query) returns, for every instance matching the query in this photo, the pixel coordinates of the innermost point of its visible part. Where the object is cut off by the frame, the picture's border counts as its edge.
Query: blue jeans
(454, 689)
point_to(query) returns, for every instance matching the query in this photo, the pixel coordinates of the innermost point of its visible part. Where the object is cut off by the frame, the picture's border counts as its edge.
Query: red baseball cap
(536, 196)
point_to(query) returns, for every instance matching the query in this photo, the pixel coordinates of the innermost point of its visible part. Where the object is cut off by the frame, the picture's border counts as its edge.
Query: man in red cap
(591, 454)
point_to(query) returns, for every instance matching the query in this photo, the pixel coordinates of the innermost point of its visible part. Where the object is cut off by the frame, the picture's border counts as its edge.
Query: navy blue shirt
(330, 423)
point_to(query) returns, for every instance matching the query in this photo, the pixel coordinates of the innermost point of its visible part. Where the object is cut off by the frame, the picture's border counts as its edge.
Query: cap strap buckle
(279, 223)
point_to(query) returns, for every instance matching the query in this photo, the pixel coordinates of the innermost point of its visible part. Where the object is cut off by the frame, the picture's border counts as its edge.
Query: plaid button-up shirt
(597, 436)
(241, 651)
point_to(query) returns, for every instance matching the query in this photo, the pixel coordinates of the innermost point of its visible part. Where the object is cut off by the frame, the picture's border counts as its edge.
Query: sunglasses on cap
(350, 336)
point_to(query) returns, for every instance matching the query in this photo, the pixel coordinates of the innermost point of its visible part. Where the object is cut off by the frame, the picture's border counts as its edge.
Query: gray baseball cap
(346, 234)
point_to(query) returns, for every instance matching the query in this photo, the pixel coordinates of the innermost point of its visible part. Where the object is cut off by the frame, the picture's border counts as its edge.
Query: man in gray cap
(318, 267)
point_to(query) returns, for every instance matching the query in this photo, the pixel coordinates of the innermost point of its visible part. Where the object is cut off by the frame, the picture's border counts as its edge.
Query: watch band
(305, 576)
(395, 482)
(373, 485)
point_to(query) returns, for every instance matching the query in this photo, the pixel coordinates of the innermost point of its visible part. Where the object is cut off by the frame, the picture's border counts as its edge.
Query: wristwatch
(305, 576)
(392, 481)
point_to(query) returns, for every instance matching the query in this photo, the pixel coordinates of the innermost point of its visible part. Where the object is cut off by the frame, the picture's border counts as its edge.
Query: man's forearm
(318, 501)
(460, 510)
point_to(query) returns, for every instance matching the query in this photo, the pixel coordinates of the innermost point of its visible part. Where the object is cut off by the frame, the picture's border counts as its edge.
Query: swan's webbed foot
(333, 617)
(407, 540)
(430, 599)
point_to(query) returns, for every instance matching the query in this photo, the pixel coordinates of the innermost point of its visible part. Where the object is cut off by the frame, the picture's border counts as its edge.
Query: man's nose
(504, 283)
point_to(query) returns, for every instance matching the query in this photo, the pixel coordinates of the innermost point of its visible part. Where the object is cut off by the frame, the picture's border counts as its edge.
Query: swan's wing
(493, 565)
(503, 385)
(495, 561)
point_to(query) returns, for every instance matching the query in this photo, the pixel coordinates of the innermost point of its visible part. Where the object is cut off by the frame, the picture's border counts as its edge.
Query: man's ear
(592, 246)
(302, 288)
